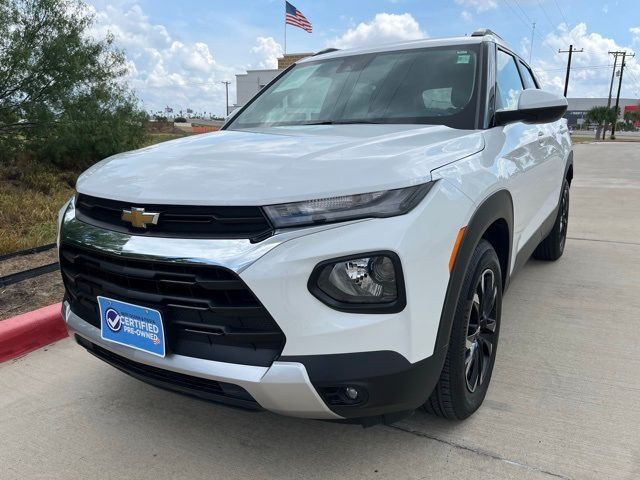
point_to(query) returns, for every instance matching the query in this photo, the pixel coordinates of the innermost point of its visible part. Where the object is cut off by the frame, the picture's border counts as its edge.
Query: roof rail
(481, 32)
(326, 50)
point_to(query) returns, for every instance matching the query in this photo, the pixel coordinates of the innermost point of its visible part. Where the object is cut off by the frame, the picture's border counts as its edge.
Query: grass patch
(31, 195)
(154, 138)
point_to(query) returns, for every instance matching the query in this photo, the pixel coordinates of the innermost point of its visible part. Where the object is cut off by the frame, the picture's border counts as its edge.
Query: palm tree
(632, 116)
(601, 116)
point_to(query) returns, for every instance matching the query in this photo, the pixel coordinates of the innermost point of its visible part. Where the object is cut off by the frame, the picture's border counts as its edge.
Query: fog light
(366, 283)
(351, 393)
(344, 395)
(369, 279)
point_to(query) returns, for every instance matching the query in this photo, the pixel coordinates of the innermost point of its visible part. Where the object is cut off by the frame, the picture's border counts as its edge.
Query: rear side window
(508, 81)
(527, 76)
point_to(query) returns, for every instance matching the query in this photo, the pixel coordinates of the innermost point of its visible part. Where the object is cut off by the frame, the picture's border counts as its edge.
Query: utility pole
(533, 29)
(613, 127)
(570, 52)
(613, 75)
(226, 86)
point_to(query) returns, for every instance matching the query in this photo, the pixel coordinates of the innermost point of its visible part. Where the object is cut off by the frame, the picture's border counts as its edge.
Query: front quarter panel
(423, 239)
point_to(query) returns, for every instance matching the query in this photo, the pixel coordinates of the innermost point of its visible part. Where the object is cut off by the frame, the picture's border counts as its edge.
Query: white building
(250, 83)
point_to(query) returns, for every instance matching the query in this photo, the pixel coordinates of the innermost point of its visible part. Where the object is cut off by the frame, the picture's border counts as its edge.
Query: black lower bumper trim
(393, 384)
(202, 388)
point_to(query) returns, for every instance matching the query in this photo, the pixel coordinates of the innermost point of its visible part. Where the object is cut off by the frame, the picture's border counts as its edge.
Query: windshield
(435, 85)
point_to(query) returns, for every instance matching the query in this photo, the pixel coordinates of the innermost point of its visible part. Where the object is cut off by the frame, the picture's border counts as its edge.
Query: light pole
(226, 86)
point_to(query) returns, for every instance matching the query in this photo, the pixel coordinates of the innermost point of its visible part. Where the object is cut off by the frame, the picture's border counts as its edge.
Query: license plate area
(132, 325)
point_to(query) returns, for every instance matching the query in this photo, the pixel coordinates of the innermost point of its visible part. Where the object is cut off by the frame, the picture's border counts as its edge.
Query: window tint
(527, 76)
(433, 85)
(508, 82)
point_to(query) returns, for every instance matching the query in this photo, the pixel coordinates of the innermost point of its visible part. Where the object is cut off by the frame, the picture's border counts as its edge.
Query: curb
(30, 331)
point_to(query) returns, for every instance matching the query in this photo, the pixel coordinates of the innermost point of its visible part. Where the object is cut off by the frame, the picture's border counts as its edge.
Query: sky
(179, 52)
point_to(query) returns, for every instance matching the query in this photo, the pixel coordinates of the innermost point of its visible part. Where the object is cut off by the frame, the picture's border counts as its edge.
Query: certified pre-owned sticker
(132, 325)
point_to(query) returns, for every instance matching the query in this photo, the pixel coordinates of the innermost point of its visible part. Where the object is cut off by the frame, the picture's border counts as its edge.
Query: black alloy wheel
(473, 343)
(481, 331)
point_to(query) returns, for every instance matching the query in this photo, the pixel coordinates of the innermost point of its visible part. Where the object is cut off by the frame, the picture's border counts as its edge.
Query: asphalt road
(564, 401)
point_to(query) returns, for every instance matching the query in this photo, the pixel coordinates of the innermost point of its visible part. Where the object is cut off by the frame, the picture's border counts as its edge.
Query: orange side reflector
(456, 246)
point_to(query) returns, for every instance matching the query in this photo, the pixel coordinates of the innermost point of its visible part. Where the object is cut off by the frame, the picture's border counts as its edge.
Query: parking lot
(564, 400)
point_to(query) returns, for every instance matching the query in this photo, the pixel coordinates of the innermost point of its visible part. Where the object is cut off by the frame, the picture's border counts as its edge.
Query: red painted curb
(25, 333)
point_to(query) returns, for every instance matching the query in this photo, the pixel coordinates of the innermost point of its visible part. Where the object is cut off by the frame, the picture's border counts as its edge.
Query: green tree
(601, 116)
(62, 94)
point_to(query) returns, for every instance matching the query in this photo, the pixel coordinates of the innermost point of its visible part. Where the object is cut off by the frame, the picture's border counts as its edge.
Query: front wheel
(472, 348)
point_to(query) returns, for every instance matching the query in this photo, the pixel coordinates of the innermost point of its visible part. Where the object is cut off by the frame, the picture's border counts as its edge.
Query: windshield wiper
(341, 122)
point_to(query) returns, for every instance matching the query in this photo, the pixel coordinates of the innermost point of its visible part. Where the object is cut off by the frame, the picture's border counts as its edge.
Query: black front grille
(208, 312)
(177, 220)
(177, 382)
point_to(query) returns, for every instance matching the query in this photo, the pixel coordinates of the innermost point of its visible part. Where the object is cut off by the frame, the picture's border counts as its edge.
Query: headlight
(367, 283)
(61, 212)
(385, 203)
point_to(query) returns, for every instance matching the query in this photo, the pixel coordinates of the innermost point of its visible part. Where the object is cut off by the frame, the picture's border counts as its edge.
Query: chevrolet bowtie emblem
(139, 218)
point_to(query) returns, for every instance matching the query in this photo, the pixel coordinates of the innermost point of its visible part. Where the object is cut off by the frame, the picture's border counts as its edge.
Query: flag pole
(285, 27)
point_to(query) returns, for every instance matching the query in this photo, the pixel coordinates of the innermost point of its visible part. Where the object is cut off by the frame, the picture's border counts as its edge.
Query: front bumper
(284, 387)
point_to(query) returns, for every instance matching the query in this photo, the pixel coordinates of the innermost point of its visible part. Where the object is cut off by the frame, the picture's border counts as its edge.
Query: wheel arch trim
(498, 206)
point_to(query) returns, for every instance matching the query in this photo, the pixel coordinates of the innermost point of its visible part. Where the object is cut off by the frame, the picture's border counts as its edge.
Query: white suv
(340, 250)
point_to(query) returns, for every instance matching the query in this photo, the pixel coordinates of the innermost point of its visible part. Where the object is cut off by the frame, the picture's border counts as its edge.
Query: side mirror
(534, 106)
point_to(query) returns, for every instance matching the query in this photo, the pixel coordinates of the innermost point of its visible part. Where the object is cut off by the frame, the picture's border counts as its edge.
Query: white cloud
(635, 33)
(479, 5)
(384, 28)
(163, 69)
(466, 15)
(267, 50)
(590, 69)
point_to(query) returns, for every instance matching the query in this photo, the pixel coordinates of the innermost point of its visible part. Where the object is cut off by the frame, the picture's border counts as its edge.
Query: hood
(277, 165)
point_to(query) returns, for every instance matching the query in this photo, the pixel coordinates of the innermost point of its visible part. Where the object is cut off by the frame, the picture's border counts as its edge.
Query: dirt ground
(25, 262)
(33, 293)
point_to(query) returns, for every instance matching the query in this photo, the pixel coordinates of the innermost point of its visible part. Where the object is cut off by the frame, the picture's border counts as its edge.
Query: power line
(635, 82)
(523, 12)
(506, 2)
(585, 67)
(526, 21)
(544, 11)
(561, 13)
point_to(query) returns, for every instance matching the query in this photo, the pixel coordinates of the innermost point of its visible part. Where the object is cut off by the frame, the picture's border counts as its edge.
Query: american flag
(296, 18)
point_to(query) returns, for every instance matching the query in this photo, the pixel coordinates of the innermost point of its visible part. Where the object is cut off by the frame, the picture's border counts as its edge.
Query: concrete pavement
(564, 401)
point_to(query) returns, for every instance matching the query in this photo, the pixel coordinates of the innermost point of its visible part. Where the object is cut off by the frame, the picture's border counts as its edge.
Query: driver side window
(508, 82)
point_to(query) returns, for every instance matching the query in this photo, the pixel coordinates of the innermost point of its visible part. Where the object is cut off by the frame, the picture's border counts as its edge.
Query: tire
(473, 342)
(552, 247)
